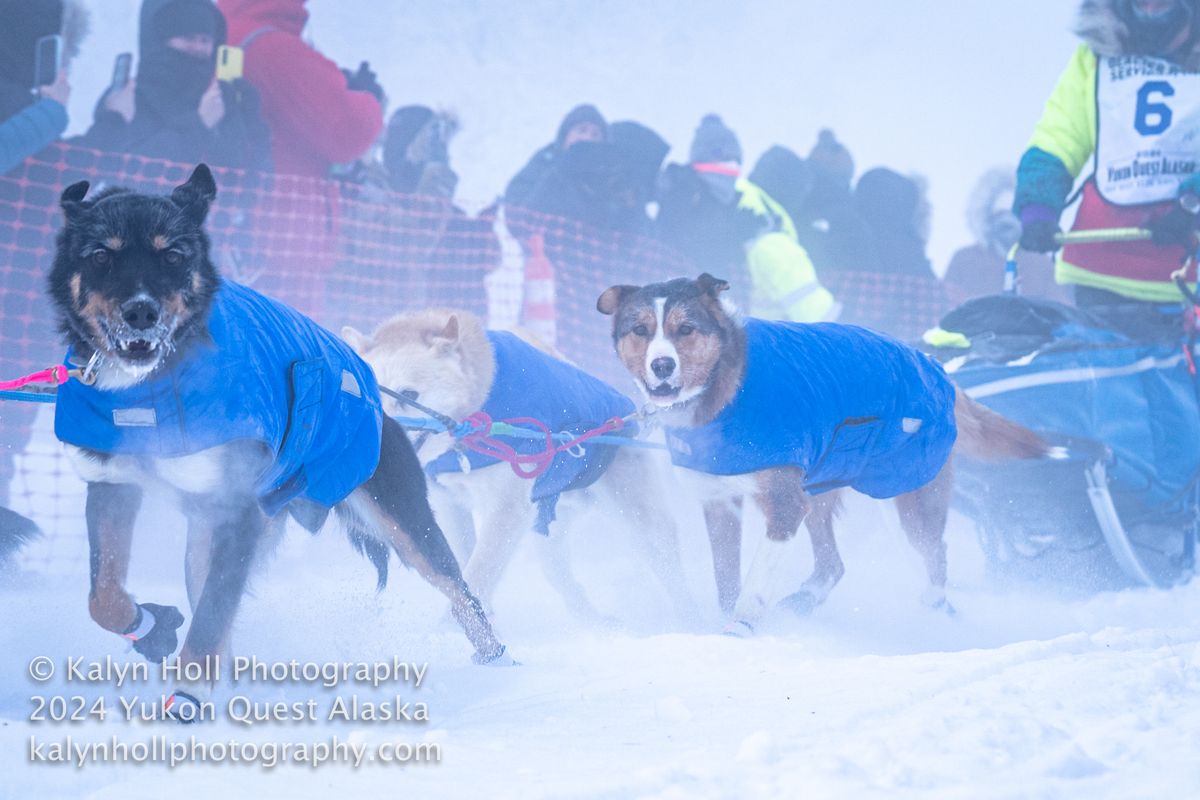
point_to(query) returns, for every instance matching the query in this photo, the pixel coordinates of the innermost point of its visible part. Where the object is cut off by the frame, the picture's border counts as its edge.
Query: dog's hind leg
(111, 511)
(827, 562)
(396, 498)
(723, 518)
(923, 515)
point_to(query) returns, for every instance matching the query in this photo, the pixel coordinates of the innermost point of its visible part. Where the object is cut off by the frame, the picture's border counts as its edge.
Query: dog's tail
(362, 537)
(985, 435)
(15, 532)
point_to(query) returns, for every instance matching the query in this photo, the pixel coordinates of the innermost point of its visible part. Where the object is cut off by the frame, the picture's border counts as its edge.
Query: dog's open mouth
(137, 349)
(663, 393)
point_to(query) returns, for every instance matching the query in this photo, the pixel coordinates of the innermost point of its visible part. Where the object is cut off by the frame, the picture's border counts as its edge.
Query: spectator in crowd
(604, 184)
(841, 231)
(790, 180)
(175, 108)
(32, 117)
(978, 269)
(408, 231)
(729, 226)
(318, 114)
(28, 123)
(584, 123)
(416, 152)
(455, 251)
(639, 154)
(896, 213)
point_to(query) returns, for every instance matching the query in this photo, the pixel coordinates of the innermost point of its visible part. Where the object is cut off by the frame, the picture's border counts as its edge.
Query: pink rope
(56, 376)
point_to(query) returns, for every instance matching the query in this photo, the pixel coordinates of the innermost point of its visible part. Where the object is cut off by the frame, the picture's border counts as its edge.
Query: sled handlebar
(1099, 236)
(1104, 235)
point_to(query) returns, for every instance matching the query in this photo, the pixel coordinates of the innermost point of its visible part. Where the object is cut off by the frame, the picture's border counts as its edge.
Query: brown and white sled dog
(236, 408)
(843, 406)
(446, 360)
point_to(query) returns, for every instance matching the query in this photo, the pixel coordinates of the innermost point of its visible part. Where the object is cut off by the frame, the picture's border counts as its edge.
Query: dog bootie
(153, 632)
(738, 629)
(183, 708)
(500, 658)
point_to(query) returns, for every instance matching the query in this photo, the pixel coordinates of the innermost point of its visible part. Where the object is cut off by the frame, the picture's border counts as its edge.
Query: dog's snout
(662, 367)
(140, 314)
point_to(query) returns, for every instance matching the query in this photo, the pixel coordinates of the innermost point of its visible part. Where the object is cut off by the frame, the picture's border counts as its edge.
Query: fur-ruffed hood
(1100, 26)
(986, 198)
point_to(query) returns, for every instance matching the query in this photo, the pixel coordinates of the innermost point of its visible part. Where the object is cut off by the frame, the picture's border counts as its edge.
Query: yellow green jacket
(784, 281)
(1063, 144)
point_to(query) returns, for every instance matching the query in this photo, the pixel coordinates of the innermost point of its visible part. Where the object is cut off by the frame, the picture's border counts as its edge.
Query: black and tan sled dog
(787, 414)
(237, 407)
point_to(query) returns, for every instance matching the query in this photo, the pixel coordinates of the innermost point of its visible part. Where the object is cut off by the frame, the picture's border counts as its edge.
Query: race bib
(1148, 115)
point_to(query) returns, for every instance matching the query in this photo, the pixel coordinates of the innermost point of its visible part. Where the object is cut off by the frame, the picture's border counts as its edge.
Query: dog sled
(1122, 505)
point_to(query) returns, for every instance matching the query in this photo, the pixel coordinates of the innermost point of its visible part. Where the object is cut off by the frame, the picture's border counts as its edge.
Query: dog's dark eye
(686, 329)
(101, 257)
(173, 257)
(641, 330)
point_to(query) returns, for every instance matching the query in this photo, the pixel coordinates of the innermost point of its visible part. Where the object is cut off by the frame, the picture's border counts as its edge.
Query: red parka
(315, 119)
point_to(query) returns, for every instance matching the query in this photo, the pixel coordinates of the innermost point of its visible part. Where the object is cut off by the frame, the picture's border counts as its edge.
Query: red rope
(481, 441)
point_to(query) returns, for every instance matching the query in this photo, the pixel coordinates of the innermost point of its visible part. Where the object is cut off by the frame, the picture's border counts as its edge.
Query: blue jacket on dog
(267, 373)
(849, 406)
(530, 383)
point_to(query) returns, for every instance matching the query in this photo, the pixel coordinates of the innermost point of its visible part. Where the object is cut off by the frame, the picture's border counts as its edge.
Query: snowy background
(943, 88)
(1026, 693)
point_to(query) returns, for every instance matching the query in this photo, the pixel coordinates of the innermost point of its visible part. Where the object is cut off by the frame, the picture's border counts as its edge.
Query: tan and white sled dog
(447, 361)
(788, 414)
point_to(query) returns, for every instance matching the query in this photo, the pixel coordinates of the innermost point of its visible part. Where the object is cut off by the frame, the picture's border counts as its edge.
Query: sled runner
(1122, 508)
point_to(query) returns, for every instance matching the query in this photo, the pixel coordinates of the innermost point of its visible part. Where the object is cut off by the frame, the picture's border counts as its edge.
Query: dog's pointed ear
(195, 196)
(445, 341)
(71, 200)
(711, 286)
(611, 299)
(355, 338)
(450, 333)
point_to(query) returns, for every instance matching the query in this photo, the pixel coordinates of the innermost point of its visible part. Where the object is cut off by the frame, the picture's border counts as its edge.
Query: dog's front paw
(801, 603)
(738, 629)
(936, 600)
(183, 708)
(500, 658)
(155, 631)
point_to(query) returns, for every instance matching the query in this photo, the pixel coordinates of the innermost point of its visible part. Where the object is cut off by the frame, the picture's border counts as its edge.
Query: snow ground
(1021, 695)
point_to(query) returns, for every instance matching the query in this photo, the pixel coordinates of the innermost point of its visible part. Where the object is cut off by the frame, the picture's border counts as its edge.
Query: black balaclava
(25, 21)
(577, 115)
(170, 83)
(1152, 35)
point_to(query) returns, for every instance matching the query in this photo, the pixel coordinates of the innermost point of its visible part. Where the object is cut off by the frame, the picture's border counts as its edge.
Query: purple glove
(1039, 227)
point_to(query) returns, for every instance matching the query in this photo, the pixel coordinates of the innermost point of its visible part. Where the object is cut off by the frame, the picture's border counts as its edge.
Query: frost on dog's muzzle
(137, 350)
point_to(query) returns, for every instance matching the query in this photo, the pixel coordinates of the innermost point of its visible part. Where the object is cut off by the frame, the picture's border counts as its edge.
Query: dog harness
(849, 406)
(530, 383)
(266, 373)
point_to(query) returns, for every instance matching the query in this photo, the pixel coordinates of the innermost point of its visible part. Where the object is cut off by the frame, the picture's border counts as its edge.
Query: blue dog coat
(266, 373)
(849, 406)
(530, 383)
